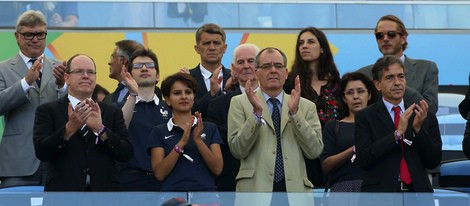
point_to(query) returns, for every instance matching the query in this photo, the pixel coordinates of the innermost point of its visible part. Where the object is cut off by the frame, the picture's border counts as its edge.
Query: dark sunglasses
(391, 34)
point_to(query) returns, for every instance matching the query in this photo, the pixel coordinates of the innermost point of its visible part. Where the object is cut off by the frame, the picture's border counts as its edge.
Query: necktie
(38, 80)
(404, 172)
(117, 92)
(279, 165)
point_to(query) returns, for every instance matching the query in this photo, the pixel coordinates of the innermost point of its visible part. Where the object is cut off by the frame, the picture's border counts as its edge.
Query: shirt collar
(390, 105)
(243, 90)
(170, 123)
(207, 74)
(26, 59)
(155, 99)
(278, 97)
(74, 101)
(402, 58)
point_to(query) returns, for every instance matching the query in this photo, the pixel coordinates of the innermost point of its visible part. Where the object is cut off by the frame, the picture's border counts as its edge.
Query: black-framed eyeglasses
(82, 72)
(30, 36)
(269, 66)
(391, 34)
(148, 65)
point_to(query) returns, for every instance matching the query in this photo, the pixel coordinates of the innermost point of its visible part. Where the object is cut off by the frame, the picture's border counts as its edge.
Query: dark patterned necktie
(38, 80)
(279, 165)
(404, 171)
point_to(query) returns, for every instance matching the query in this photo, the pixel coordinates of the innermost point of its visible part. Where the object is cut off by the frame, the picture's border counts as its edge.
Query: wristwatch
(100, 132)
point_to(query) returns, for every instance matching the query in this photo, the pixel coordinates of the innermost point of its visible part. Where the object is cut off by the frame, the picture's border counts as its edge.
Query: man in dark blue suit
(396, 142)
(243, 69)
(211, 76)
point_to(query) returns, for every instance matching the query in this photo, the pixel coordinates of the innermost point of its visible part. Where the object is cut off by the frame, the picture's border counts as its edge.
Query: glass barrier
(230, 14)
(438, 198)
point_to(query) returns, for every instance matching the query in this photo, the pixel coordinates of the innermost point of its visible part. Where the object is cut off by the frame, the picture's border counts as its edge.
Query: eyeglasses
(82, 72)
(30, 36)
(148, 65)
(269, 66)
(359, 92)
(391, 34)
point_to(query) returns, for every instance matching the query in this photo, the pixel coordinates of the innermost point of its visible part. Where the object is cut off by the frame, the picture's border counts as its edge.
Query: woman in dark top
(338, 136)
(185, 152)
(319, 82)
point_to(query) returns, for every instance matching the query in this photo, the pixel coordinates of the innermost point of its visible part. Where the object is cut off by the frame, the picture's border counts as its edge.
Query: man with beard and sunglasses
(421, 75)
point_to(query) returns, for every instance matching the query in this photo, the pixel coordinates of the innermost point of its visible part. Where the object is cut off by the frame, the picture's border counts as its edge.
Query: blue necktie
(279, 165)
(117, 92)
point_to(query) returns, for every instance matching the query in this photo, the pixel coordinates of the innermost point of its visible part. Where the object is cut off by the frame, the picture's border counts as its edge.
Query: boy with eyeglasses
(421, 75)
(26, 81)
(142, 111)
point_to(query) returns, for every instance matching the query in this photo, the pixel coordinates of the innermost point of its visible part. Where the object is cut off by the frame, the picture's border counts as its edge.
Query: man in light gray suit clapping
(27, 80)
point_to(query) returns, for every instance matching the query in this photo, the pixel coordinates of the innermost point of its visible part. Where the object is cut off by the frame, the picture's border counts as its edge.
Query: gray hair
(31, 18)
(245, 45)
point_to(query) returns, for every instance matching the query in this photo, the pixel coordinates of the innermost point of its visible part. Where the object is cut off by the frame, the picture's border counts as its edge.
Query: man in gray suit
(27, 80)
(421, 75)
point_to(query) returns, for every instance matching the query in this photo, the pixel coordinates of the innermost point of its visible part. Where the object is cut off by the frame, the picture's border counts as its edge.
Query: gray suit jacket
(421, 81)
(255, 144)
(17, 155)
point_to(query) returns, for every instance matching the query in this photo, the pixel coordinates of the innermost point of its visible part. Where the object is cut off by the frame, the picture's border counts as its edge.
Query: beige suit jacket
(255, 144)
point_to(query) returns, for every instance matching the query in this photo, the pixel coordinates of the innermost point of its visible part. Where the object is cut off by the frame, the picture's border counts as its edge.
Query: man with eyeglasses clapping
(27, 80)
(81, 140)
(421, 75)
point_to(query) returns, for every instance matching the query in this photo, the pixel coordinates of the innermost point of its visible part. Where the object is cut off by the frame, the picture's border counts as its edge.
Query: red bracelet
(178, 150)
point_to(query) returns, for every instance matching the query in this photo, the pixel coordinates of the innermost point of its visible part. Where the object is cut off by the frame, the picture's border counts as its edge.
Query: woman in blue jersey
(185, 152)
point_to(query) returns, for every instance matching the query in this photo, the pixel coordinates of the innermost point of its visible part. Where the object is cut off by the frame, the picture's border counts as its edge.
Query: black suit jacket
(203, 96)
(217, 113)
(68, 162)
(379, 155)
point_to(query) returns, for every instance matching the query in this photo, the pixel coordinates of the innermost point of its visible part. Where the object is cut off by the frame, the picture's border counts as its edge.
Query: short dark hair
(383, 63)
(210, 28)
(143, 53)
(357, 76)
(169, 81)
(69, 62)
(270, 50)
(400, 26)
(31, 18)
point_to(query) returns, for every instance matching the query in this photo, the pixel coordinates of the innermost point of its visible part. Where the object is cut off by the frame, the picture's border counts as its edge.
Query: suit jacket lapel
(285, 111)
(266, 113)
(46, 70)
(384, 115)
(18, 66)
(200, 81)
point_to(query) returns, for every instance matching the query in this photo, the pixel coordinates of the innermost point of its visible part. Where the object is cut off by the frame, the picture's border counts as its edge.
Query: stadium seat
(23, 189)
(455, 175)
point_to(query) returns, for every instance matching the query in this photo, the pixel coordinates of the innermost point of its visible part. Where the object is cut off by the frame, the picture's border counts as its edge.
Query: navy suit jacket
(69, 161)
(217, 113)
(379, 155)
(203, 96)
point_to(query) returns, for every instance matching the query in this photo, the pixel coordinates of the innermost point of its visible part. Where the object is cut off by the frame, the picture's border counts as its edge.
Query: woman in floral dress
(319, 81)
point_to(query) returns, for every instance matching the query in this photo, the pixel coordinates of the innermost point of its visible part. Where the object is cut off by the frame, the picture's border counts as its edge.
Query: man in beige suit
(27, 80)
(271, 154)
